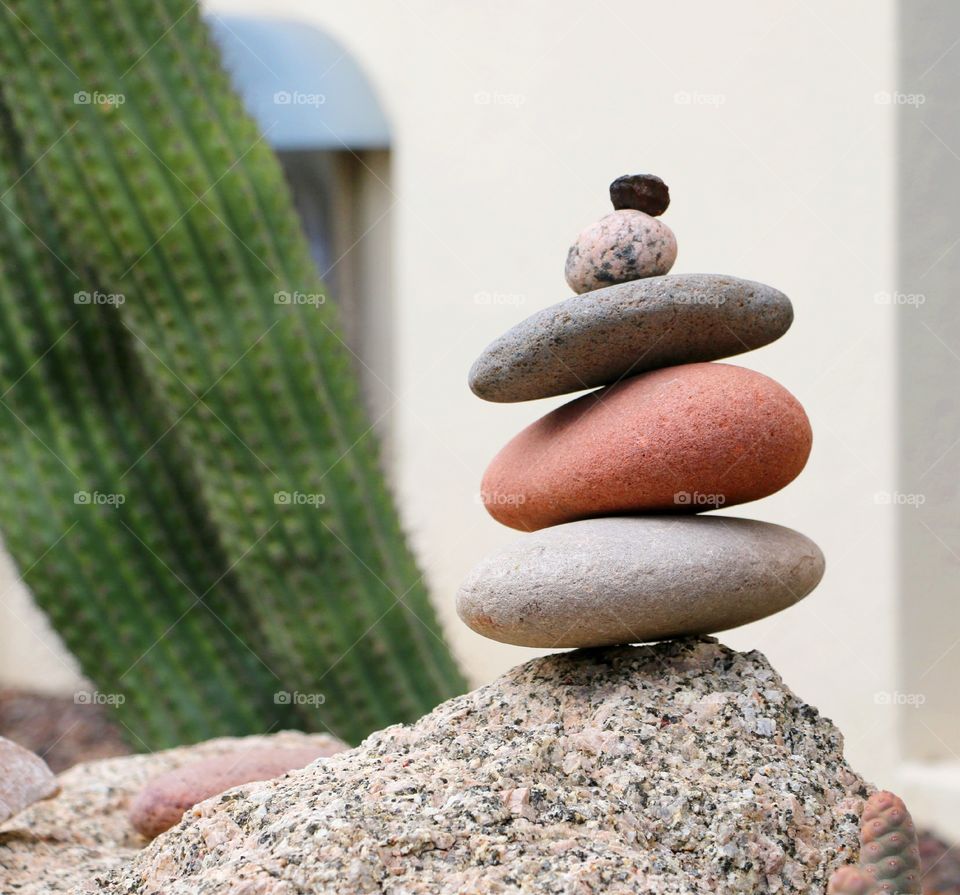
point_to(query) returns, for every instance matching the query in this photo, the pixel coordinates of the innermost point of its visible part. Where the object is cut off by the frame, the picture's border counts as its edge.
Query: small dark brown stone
(642, 192)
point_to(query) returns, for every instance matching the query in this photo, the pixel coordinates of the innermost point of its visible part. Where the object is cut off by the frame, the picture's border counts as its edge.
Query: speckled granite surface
(83, 832)
(683, 767)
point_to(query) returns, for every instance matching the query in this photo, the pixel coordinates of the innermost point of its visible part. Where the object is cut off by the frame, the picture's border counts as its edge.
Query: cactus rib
(172, 199)
(889, 850)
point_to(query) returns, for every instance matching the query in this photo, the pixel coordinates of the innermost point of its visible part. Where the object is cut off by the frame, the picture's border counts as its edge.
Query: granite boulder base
(682, 768)
(601, 337)
(635, 579)
(681, 439)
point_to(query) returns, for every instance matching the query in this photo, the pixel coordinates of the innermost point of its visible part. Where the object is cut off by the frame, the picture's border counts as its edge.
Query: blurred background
(443, 157)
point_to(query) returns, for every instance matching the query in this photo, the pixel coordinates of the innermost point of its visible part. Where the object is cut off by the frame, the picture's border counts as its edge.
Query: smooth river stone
(604, 336)
(24, 779)
(624, 245)
(600, 582)
(161, 804)
(682, 439)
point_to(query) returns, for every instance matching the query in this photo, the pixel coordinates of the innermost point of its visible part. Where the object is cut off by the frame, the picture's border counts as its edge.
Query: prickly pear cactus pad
(159, 402)
(682, 767)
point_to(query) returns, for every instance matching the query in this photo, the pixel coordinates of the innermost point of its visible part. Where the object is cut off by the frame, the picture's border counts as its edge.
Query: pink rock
(681, 439)
(24, 779)
(161, 803)
(625, 245)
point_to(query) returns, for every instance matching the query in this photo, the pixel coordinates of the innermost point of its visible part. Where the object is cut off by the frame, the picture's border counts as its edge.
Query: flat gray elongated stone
(614, 580)
(602, 336)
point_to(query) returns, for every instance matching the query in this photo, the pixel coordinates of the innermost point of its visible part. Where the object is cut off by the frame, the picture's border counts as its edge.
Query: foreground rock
(60, 843)
(682, 767)
(635, 579)
(606, 335)
(24, 779)
(684, 439)
(162, 802)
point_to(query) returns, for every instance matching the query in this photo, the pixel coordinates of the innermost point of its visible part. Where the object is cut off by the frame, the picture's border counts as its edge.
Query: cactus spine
(201, 398)
(73, 426)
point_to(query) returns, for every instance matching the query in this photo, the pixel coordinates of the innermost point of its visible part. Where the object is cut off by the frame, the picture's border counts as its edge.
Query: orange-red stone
(687, 438)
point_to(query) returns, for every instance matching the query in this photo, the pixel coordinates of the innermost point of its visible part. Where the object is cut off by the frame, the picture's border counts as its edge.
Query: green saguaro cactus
(237, 546)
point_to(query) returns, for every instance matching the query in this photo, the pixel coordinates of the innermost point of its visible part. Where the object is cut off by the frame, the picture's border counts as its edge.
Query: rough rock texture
(679, 440)
(682, 767)
(59, 843)
(607, 335)
(162, 802)
(625, 245)
(24, 779)
(637, 579)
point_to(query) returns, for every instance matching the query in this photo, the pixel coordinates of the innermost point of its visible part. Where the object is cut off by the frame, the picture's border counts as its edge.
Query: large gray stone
(601, 337)
(637, 579)
(684, 767)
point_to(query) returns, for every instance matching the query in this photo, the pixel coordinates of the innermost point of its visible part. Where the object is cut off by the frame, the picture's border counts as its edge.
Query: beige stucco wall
(788, 179)
(509, 119)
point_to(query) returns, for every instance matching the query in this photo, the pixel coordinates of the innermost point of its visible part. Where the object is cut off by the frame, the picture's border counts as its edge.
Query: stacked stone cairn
(613, 484)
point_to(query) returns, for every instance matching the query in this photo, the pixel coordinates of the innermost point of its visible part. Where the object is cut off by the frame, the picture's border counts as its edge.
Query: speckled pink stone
(681, 439)
(625, 245)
